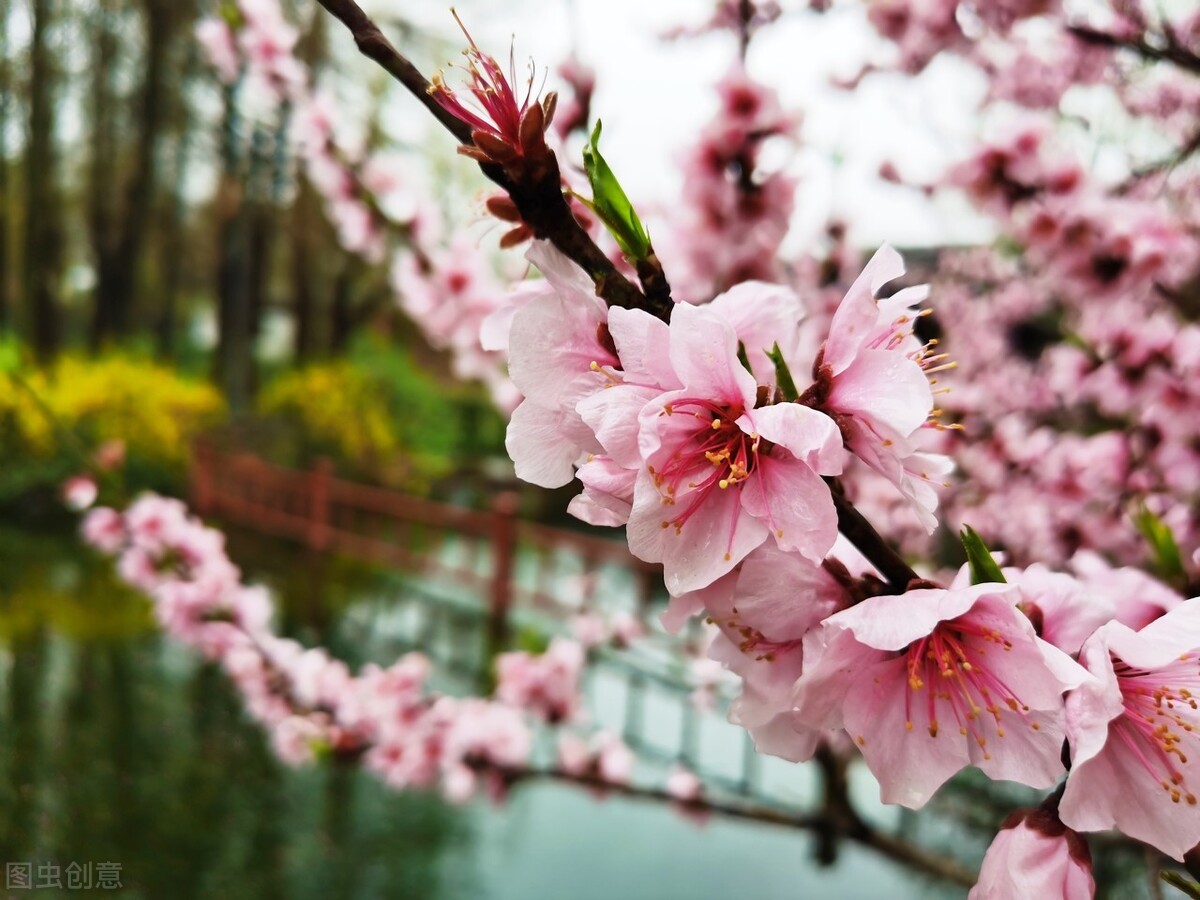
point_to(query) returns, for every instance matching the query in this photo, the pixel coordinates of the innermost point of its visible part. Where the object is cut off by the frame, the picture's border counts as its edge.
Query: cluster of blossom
(312, 704)
(731, 217)
(691, 432)
(700, 452)
(1080, 361)
(1092, 243)
(717, 474)
(1061, 442)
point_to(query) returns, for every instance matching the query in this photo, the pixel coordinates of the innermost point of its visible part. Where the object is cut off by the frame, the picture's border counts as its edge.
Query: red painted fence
(386, 526)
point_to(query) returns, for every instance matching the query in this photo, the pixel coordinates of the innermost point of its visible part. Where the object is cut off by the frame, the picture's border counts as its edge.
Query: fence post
(319, 477)
(504, 551)
(203, 463)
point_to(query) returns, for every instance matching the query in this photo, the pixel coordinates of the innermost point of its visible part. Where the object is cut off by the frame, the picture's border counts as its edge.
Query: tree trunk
(305, 250)
(5, 94)
(305, 219)
(43, 232)
(234, 359)
(101, 177)
(118, 290)
(173, 243)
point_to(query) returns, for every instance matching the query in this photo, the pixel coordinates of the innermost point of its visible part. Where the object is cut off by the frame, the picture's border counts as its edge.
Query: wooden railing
(385, 526)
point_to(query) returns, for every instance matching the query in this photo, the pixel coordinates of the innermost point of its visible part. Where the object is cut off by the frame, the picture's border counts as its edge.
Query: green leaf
(1178, 881)
(531, 640)
(783, 375)
(984, 569)
(1157, 533)
(611, 204)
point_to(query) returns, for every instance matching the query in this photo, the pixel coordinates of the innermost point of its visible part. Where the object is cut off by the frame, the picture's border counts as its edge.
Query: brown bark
(43, 229)
(5, 95)
(118, 277)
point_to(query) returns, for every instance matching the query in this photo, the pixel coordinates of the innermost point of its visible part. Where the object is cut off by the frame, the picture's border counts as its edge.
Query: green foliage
(1167, 560)
(783, 374)
(380, 417)
(611, 204)
(1189, 888)
(52, 420)
(984, 569)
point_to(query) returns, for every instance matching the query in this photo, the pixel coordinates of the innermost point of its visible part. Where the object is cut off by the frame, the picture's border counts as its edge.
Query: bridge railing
(510, 562)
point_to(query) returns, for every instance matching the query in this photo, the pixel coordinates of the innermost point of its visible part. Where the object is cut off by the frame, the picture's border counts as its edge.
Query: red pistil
(718, 455)
(949, 665)
(497, 112)
(1157, 717)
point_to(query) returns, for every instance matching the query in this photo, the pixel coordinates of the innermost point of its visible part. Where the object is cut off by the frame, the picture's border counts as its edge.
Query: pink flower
(720, 473)
(614, 760)
(1035, 855)
(763, 611)
(871, 376)
(1137, 598)
(217, 40)
(504, 125)
(1063, 609)
(557, 356)
(546, 685)
(295, 738)
(574, 754)
(933, 680)
(104, 529)
(1135, 733)
(684, 785)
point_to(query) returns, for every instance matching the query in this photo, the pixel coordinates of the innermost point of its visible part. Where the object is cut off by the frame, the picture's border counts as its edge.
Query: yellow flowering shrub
(340, 410)
(50, 417)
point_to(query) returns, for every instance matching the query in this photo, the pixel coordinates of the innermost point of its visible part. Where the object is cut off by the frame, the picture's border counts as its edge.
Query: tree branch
(1171, 51)
(870, 543)
(539, 198)
(852, 827)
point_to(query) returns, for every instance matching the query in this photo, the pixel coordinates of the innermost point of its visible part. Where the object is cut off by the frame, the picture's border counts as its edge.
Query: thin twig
(891, 846)
(1172, 51)
(1181, 155)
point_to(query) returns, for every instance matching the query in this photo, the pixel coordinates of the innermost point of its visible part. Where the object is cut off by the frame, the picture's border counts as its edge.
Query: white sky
(653, 95)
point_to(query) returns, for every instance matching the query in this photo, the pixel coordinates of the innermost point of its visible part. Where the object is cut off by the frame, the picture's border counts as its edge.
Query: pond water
(118, 747)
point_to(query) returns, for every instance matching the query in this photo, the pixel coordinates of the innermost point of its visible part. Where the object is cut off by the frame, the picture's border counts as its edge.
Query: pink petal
(552, 345)
(761, 315)
(886, 389)
(612, 414)
(545, 443)
(807, 434)
(704, 356)
(910, 764)
(640, 339)
(714, 540)
(856, 316)
(794, 503)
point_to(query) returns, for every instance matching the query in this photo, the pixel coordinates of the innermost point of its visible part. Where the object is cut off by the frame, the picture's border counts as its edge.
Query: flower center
(1160, 709)
(715, 455)
(949, 666)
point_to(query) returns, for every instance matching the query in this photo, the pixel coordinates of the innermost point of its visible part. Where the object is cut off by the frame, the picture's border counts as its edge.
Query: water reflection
(115, 747)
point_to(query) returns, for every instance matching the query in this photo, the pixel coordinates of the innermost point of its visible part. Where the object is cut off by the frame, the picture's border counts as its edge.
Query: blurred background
(174, 276)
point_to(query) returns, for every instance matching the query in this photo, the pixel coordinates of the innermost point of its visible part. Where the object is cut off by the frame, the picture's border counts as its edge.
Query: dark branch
(375, 46)
(863, 535)
(1170, 51)
(850, 827)
(1190, 148)
(538, 197)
